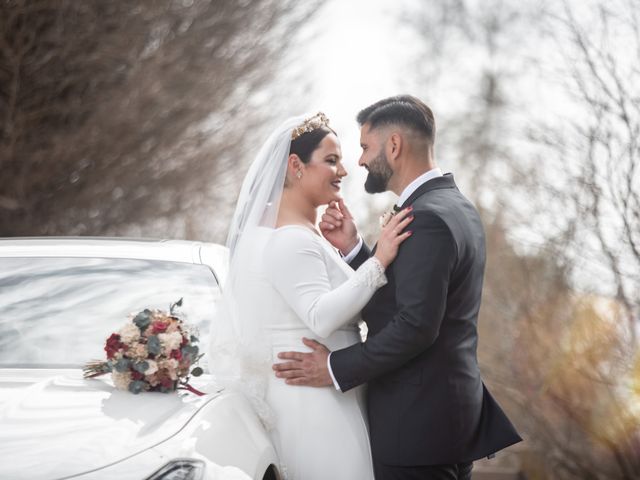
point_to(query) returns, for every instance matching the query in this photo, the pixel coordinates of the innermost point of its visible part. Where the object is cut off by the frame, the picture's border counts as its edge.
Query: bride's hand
(338, 227)
(392, 236)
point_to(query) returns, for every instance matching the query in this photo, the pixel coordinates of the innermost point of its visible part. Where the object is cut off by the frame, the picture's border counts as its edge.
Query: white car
(60, 299)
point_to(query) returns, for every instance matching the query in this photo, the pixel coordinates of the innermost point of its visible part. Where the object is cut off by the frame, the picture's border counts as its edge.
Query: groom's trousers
(459, 471)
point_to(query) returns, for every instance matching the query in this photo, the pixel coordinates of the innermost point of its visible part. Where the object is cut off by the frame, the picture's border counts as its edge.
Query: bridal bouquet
(154, 352)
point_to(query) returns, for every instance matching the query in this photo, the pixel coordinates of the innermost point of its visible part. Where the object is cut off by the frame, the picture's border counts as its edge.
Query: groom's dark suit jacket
(427, 403)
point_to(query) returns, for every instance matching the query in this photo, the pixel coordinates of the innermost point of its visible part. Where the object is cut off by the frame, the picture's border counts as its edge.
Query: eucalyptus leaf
(174, 305)
(136, 386)
(143, 319)
(141, 366)
(153, 344)
(122, 365)
(190, 351)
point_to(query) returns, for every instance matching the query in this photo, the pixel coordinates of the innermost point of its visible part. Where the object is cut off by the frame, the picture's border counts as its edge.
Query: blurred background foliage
(126, 117)
(141, 118)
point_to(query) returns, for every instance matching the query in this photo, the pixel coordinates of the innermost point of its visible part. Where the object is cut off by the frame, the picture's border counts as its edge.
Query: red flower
(135, 375)
(159, 326)
(177, 354)
(166, 382)
(113, 345)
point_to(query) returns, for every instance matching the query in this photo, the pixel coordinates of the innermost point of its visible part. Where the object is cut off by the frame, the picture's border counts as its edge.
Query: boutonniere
(386, 217)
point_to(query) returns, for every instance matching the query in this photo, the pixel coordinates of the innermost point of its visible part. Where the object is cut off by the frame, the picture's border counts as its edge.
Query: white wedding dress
(302, 288)
(284, 284)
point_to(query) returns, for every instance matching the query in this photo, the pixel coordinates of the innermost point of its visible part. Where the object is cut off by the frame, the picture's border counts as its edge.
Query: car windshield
(58, 312)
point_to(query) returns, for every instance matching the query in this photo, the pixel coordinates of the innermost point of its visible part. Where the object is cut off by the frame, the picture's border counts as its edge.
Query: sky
(351, 56)
(359, 52)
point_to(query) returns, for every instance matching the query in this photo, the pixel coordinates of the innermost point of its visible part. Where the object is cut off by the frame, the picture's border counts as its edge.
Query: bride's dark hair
(305, 144)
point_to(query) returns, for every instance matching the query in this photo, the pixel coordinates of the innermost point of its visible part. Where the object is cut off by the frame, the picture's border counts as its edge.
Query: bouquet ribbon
(186, 386)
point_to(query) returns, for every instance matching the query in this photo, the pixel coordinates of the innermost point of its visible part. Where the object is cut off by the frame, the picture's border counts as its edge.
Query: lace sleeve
(296, 267)
(370, 274)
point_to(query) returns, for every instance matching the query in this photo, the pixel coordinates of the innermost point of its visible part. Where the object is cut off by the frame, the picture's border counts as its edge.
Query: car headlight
(180, 469)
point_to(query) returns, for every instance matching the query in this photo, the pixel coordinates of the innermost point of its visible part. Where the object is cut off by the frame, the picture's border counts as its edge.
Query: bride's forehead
(330, 142)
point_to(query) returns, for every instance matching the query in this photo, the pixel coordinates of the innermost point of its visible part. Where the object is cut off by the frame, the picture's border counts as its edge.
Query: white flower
(170, 341)
(129, 333)
(139, 351)
(121, 380)
(153, 367)
(174, 326)
(170, 365)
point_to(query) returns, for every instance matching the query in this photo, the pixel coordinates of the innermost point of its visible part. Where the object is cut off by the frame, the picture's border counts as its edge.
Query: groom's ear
(394, 145)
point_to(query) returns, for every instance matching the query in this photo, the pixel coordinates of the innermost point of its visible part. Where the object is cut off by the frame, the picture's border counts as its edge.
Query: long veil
(239, 356)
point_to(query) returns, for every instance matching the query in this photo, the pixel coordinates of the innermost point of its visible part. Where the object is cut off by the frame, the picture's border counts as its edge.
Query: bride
(287, 282)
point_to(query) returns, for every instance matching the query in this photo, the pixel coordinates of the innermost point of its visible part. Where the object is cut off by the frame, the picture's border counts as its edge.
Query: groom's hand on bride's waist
(309, 369)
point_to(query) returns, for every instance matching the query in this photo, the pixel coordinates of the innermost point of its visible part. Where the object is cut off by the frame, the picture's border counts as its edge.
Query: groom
(430, 414)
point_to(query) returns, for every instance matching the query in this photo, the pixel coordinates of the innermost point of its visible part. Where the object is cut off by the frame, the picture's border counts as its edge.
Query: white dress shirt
(404, 196)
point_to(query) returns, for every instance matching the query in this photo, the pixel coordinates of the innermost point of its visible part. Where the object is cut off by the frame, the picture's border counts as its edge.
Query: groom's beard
(379, 174)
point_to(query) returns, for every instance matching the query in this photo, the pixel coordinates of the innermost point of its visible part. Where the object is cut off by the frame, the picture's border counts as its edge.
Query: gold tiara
(310, 124)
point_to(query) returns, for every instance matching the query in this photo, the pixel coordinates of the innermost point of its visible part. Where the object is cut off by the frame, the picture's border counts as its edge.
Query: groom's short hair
(402, 110)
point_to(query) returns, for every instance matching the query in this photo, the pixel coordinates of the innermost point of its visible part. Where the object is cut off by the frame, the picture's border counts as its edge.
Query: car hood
(55, 424)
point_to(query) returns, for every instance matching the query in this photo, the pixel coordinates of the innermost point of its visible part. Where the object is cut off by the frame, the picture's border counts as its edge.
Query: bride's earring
(299, 174)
